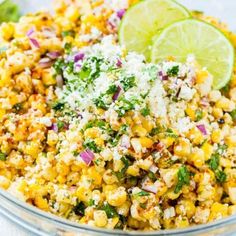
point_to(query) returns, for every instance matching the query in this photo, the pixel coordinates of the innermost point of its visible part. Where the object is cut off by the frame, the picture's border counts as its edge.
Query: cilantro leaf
(145, 111)
(58, 106)
(183, 178)
(128, 82)
(214, 161)
(3, 156)
(220, 176)
(173, 71)
(142, 193)
(79, 209)
(233, 114)
(198, 115)
(90, 144)
(110, 210)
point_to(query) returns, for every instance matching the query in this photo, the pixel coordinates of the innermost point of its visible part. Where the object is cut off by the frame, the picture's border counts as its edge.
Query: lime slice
(209, 46)
(142, 21)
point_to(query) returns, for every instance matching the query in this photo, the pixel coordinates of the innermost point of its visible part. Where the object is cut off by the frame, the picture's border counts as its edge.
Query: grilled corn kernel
(117, 197)
(100, 218)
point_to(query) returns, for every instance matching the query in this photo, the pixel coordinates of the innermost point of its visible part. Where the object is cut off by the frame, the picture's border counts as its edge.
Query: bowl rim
(59, 221)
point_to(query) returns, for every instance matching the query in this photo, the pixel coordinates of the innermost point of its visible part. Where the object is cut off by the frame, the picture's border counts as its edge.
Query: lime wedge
(142, 21)
(209, 46)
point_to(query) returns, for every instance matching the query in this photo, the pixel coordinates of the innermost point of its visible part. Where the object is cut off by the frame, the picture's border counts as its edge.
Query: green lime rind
(209, 45)
(143, 20)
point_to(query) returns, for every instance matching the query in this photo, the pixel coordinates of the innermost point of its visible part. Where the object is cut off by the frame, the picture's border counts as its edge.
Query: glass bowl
(42, 223)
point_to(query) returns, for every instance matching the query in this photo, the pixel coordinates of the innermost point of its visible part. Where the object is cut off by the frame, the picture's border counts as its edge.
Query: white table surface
(218, 8)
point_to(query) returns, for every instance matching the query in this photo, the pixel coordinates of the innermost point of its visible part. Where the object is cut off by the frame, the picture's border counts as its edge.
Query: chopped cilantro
(60, 125)
(183, 178)
(220, 176)
(144, 95)
(170, 133)
(3, 156)
(155, 131)
(142, 193)
(111, 90)
(233, 114)
(123, 129)
(225, 89)
(221, 148)
(120, 175)
(68, 47)
(121, 223)
(125, 106)
(110, 210)
(59, 66)
(198, 115)
(68, 33)
(152, 176)
(100, 103)
(143, 205)
(90, 144)
(145, 111)
(128, 82)
(79, 209)
(95, 123)
(91, 202)
(214, 161)
(58, 106)
(173, 71)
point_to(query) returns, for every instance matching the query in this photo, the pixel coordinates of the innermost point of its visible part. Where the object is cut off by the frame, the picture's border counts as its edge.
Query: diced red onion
(117, 94)
(120, 13)
(162, 76)
(53, 55)
(153, 169)
(202, 128)
(150, 187)
(34, 42)
(79, 57)
(45, 63)
(60, 81)
(54, 127)
(87, 156)
(30, 32)
(119, 63)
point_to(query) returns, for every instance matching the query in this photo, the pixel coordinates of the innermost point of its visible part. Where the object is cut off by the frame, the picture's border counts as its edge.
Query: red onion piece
(202, 128)
(162, 76)
(45, 63)
(119, 63)
(34, 42)
(53, 55)
(120, 13)
(79, 57)
(87, 156)
(117, 94)
(54, 127)
(60, 81)
(30, 32)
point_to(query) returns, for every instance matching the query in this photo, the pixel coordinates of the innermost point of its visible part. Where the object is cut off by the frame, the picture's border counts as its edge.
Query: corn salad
(94, 134)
